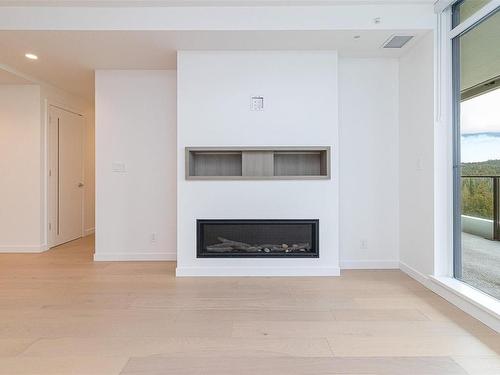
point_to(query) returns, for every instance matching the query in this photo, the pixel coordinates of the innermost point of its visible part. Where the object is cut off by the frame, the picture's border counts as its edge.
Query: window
(476, 79)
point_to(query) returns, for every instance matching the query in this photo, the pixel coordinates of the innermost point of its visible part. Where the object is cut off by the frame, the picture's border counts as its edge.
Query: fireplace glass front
(257, 238)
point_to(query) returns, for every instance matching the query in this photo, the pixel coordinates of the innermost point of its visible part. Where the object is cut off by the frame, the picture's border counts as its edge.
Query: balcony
(481, 233)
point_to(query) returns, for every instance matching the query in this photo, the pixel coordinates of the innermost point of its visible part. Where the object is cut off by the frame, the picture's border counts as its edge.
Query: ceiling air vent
(397, 41)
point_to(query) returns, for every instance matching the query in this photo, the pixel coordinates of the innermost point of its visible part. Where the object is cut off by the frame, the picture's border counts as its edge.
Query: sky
(480, 128)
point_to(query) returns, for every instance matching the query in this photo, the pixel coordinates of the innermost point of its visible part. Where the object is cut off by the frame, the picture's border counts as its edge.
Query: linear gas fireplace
(257, 238)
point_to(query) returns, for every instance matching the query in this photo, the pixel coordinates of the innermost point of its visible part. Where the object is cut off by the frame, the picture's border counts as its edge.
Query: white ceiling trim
(176, 3)
(20, 75)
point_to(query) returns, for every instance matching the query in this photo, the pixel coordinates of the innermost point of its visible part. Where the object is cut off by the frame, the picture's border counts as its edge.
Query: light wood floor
(61, 313)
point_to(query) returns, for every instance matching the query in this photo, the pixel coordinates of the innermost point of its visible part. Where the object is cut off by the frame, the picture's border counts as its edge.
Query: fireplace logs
(226, 246)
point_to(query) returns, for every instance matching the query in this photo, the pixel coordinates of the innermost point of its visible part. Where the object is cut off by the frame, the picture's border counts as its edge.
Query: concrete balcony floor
(481, 263)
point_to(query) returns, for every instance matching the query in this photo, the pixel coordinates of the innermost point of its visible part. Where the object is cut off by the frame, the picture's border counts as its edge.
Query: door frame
(45, 177)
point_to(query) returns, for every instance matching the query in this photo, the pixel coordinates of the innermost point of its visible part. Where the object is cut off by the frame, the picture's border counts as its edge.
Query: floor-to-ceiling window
(476, 80)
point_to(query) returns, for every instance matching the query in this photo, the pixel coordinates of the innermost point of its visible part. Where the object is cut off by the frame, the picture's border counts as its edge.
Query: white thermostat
(257, 103)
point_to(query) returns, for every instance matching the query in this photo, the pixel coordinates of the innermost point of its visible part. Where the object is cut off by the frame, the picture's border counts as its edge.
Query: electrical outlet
(153, 237)
(363, 244)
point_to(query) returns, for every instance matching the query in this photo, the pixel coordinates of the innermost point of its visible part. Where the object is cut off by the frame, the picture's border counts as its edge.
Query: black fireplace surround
(257, 238)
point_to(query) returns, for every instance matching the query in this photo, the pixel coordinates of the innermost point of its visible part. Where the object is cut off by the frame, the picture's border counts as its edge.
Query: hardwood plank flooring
(61, 313)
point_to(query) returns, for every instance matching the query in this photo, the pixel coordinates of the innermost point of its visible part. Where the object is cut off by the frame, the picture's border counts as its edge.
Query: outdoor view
(480, 152)
(480, 156)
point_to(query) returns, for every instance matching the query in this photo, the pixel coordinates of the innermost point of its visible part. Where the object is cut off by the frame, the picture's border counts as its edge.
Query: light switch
(420, 164)
(257, 103)
(118, 167)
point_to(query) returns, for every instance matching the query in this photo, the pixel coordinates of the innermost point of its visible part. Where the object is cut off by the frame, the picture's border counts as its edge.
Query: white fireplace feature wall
(214, 92)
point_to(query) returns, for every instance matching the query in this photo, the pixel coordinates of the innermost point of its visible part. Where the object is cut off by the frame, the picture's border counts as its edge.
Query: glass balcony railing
(481, 206)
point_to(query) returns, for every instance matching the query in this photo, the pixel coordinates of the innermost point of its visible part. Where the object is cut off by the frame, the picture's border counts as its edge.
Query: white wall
(20, 166)
(369, 187)
(136, 126)
(369, 135)
(300, 94)
(416, 145)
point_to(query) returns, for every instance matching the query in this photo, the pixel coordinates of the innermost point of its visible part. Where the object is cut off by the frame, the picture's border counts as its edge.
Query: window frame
(473, 20)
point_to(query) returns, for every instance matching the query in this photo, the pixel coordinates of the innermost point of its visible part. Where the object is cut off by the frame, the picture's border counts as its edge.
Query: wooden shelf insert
(257, 163)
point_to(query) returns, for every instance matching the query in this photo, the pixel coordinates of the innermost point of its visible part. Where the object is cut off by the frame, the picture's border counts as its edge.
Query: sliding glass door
(476, 81)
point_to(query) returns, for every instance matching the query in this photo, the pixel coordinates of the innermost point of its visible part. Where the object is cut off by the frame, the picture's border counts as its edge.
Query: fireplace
(257, 238)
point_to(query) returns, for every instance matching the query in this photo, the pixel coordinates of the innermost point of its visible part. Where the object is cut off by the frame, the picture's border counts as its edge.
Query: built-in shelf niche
(257, 163)
(213, 163)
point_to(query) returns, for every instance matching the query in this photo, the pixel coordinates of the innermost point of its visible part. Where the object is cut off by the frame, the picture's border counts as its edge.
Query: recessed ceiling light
(31, 56)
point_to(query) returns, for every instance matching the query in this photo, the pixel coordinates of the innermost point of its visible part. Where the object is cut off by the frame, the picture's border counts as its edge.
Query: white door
(65, 160)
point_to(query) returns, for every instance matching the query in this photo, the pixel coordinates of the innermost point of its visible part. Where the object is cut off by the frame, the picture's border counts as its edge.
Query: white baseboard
(466, 298)
(20, 249)
(369, 264)
(140, 256)
(414, 274)
(256, 271)
(88, 231)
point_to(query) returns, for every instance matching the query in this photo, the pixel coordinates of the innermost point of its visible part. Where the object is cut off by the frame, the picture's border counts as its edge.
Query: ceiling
(67, 59)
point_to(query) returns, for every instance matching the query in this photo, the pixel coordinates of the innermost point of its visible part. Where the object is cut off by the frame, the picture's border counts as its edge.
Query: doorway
(65, 176)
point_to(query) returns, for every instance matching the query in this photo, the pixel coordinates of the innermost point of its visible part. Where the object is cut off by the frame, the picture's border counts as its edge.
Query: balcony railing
(477, 224)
